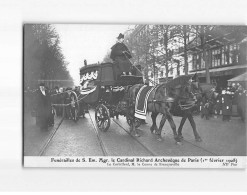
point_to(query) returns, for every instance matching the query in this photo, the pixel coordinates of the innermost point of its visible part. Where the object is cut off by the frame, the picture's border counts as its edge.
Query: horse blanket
(141, 102)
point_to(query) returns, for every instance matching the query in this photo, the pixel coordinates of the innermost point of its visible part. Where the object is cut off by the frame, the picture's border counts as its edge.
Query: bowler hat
(120, 36)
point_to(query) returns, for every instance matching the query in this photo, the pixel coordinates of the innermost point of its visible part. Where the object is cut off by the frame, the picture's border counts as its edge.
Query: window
(198, 61)
(171, 70)
(161, 73)
(216, 57)
(233, 54)
(194, 62)
(225, 55)
(202, 62)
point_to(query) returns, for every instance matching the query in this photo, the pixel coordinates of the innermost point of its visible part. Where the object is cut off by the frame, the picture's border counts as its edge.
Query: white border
(13, 13)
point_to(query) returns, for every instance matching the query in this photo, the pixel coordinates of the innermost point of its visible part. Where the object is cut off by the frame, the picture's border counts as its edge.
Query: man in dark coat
(42, 107)
(226, 105)
(67, 101)
(51, 112)
(241, 102)
(120, 54)
(218, 105)
(205, 108)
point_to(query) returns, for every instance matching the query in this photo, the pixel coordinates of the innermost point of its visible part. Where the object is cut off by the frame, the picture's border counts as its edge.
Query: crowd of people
(45, 104)
(230, 101)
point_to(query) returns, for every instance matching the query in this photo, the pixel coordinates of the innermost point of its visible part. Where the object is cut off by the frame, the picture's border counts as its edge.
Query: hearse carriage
(101, 89)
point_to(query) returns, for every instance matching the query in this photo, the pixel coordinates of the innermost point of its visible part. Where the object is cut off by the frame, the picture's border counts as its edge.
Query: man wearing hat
(226, 105)
(67, 101)
(120, 54)
(41, 107)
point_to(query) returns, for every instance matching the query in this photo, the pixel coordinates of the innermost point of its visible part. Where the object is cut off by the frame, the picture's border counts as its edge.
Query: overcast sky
(86, 41)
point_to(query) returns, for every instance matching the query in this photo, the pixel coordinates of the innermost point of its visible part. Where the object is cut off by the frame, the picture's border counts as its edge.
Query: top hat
(120, 36)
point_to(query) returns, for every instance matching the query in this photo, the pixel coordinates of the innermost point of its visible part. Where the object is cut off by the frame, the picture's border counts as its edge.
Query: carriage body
(93, 78)
(101, 89)
(96, 79)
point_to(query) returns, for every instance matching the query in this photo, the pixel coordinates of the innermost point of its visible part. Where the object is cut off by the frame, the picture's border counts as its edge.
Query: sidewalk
(34, 138)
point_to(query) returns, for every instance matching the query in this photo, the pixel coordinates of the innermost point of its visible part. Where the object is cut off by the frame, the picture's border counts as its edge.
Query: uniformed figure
(226, 105)
(241, 105)
(205, 108)
(120, 54)
(51, 112)
(67, 100)
(218, 105)
(42, 107)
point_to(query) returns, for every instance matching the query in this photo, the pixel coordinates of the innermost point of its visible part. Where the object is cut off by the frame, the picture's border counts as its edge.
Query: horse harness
(185, 106)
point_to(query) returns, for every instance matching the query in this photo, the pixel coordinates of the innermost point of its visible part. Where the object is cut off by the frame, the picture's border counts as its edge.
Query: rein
(186, 106)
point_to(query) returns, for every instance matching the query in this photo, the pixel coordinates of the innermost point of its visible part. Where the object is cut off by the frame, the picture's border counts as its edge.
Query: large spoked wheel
(137, 122)
(102, 117)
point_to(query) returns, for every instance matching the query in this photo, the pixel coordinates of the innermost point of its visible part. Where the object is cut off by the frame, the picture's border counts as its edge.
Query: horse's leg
(193, 125)
(154, 126)
(181, 126)
(173, 126)
(162, 122)
(134, 128)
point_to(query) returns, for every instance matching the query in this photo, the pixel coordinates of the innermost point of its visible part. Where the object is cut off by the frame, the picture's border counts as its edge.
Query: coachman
(120, 54)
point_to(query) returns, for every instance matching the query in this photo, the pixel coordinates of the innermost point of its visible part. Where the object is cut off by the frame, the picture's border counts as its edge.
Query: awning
(218, 71)
(239, 79)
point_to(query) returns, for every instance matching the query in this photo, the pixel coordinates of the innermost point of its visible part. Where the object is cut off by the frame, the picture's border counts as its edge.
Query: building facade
(225, 59)
(224, 52)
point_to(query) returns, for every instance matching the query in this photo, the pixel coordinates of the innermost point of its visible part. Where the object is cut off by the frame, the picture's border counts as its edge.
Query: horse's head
(190, 90)
(195, 90)
(208, 90)
(184, 91)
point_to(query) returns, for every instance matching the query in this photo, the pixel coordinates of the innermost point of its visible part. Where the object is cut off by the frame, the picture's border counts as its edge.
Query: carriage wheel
(137, 121)
(102, 117)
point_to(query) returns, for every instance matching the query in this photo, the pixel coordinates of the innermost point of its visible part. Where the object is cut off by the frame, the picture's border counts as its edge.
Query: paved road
(34, 139)
(80, 139)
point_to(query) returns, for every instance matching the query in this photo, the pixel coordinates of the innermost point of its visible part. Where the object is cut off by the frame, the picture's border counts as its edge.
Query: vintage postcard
(134, 96)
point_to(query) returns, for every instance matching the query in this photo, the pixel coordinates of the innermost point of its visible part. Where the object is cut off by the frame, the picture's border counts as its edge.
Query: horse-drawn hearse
(111, 95)
(103, 90)
(127, 95)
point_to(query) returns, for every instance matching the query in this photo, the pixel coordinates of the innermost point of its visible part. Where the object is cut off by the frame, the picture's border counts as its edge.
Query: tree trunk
(178, 68)
(154, 69)
(186, 68)
(203, 43)
(167, 69)
(165, 36)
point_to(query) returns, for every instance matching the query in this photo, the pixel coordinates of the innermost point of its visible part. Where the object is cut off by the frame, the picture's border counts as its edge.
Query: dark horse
(186, 108)
(160, 100)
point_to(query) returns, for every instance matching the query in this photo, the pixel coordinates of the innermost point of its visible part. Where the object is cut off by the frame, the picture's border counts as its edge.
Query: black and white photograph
(123, 96)
(146, 91)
